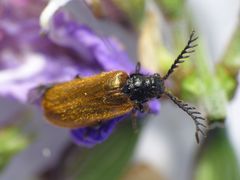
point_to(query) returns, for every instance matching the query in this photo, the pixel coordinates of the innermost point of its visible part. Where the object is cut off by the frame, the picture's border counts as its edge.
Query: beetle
(88, 101)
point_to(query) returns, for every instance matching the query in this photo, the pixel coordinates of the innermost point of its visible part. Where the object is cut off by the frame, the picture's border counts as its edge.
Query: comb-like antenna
(184, 54)
(191, 111)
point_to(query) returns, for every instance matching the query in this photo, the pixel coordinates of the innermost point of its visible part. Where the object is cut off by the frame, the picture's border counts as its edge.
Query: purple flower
(91, 136)
(29, 59)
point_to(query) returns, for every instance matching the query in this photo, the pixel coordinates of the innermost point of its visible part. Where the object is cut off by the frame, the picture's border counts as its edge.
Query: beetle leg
(146, 108)
(139, 107)
(134, 120)
(138, 67)
(77, 77)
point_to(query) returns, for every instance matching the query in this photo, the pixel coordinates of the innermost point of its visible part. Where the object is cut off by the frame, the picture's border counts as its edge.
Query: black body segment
(141, 88)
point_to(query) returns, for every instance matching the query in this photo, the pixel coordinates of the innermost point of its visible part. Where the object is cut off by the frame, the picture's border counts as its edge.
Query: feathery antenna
(183, 55)
(192, 112)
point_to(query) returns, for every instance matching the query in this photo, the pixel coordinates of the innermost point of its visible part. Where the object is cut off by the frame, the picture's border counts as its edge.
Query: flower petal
(90, 136)
(154, 106)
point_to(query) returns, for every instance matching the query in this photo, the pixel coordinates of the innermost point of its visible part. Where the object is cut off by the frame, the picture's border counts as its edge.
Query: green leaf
(105, 161)
(134, 9)
(151, 44)
(11, 142)
(217, 160)
(173, 9)
(228, 83)
(231, 58)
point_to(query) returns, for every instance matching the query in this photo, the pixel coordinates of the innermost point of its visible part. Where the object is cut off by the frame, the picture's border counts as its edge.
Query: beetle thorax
(141, 88)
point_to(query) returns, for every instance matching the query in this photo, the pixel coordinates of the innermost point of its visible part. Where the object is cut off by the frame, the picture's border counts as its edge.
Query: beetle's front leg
(139, 107)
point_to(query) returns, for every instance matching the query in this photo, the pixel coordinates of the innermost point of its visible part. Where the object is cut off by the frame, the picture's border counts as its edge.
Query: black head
(141, 88)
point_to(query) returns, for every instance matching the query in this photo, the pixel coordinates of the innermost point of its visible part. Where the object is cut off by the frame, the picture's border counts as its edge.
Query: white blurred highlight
(49, 11)
(32, 65)
(154, 148)
(217, 20)
(46, 152)
(233, 121)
